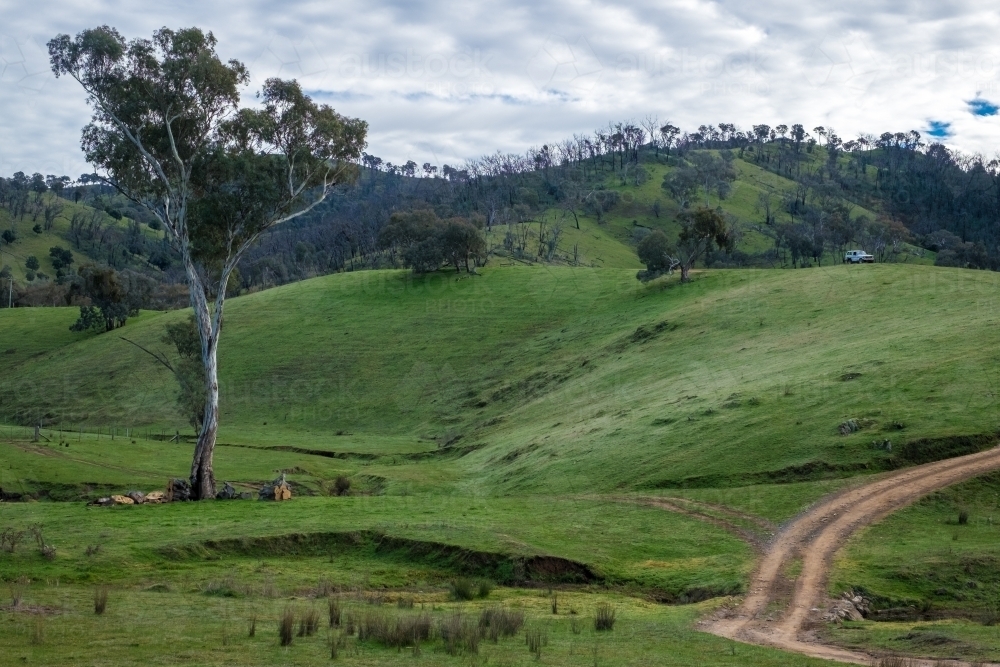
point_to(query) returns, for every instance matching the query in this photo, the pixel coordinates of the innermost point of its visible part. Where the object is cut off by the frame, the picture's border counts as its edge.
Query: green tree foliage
(654, 251)
(61, 257)
(952, 251)
(701, 230)
(714, 172)
(681, 184)
(32, 263)
(183, 336)
(598, 202)
(168, 133)
(112, 300)
(461, 241)
(186, 368)
(90, 319)
(425, 243)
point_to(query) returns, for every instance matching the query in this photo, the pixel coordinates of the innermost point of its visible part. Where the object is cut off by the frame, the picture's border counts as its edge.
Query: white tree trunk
(202, 472)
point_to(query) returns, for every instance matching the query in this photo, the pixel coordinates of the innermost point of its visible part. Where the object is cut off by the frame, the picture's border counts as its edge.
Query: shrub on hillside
(342, 485)
(654, 251)
(462, 589)
(61, 260)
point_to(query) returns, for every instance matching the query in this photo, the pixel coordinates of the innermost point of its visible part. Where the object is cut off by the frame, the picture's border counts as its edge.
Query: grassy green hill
(562, 379)
(531, 412)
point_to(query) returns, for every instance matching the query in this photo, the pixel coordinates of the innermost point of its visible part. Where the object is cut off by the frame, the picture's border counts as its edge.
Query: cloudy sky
(446, 81)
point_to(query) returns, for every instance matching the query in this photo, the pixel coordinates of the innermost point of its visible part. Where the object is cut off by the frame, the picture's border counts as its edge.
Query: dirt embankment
(501, 567)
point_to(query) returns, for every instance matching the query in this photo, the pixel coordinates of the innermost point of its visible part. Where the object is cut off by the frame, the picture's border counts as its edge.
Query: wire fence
(79, 433)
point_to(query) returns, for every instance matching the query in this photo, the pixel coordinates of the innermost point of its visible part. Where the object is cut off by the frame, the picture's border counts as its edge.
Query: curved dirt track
(815, 537)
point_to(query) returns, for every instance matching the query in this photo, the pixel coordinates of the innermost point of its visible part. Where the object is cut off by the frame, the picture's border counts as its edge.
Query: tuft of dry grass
(335, 611)
(459, 635)
(325, 588)
(604, 619)
(341, 486)
(394, 631)
(17, 588)
(338, 642)
(536, 638)
(38, 630)
(100, 599)
(309, 623)
(286, 626)
(462, 589)
(497, 622)
(892, 661)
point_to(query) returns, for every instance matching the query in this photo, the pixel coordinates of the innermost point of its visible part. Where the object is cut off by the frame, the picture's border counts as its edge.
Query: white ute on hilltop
(857, 257)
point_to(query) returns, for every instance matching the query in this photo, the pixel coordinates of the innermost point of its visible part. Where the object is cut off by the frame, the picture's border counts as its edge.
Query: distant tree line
(925, 195)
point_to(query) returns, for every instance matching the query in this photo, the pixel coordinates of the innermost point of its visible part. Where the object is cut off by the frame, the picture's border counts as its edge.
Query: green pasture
(527, 412)
(181, 626)
(557, 379)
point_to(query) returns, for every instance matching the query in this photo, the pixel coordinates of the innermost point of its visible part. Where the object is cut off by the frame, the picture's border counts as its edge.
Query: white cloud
(444, 81)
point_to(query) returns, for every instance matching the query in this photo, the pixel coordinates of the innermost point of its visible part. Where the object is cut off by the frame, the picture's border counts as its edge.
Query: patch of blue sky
(981, 107)
(939, 129)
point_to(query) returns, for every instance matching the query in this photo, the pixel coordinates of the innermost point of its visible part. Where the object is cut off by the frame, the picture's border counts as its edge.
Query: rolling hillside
(30, 243)
(642, 441)
(561, 379)
(610, 240)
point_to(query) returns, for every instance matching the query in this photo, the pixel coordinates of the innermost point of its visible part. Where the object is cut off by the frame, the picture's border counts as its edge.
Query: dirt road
(814, 537)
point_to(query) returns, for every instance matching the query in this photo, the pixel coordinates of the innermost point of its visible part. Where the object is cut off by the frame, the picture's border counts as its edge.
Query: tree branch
(163, 360)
